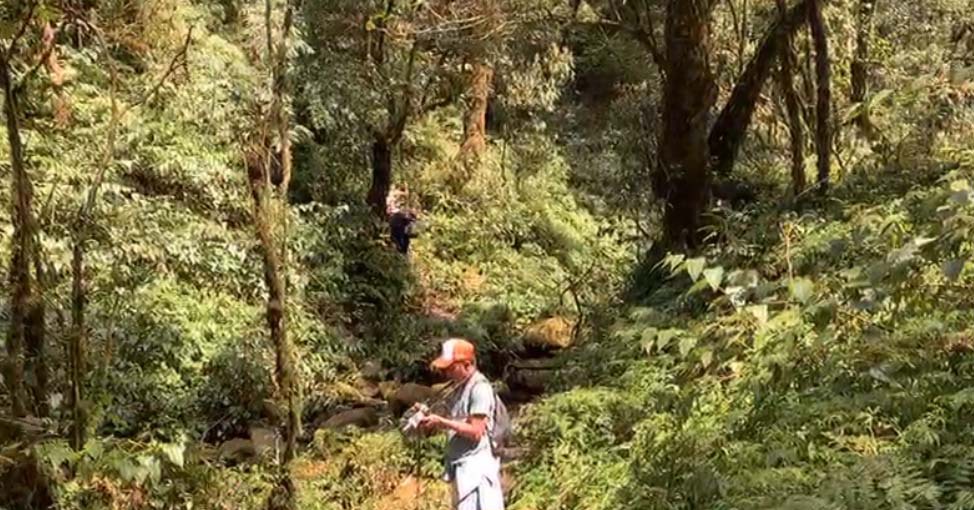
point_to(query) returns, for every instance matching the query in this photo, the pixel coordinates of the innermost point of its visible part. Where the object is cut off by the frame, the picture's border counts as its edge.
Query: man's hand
(473, 428)
(432, 422)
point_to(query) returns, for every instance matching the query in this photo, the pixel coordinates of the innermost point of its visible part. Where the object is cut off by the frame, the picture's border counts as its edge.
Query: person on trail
(472, 466)
(401, 220)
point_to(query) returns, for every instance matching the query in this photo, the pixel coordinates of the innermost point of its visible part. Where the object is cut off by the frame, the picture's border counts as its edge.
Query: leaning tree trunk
(682, 179)
(475, 121)
(21, 249)
(786, 79)
(381, 174)
(823, 135)
(728, 132)
(859, 69)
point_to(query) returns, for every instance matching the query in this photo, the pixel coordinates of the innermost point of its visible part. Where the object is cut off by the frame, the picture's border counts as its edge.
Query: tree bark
(21, 249)
(730, 129)
(381, 174)
(786, 79)
(859, 68)
(262, 175)
(77, 347)
(682, 178)
(36, 339)
(258, 163)
(475, 121)
(823, 134)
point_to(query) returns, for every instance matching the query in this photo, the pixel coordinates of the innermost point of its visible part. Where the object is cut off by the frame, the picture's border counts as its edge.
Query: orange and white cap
(454, 350)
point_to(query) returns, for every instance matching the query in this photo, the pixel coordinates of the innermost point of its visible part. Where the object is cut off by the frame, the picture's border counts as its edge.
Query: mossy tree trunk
(21, 282)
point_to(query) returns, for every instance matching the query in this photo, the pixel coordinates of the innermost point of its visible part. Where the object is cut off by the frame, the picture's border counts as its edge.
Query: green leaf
(707, 358)
(94, 449)
(953, 268)
(802, 289)
(129, 471)
(672, 261)
(648, 339)
(698, 287)
(664, 337)
(760, 312)
(714, 277)
(687, 344)
(695, 267)
(174, 452)
(57, 453)
(152, 468)
(880, 96)
(960, 185)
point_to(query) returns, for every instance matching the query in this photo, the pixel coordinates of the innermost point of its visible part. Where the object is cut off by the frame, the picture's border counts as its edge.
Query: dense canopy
(714, 254)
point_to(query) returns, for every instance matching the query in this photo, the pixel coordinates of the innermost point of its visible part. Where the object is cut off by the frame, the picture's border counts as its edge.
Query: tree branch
(22, 82)
(180, 55)
(20, 32)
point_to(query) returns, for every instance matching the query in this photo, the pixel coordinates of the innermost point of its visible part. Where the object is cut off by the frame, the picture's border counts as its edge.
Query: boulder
(362, 417)
(369, 388)
(407, 395)
(387, 389)
(533, 375)
(549, 334)
(264, 440)
(237, 450)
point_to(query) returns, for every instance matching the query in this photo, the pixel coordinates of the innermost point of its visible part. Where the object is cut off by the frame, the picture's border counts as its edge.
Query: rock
(264, 440)
(551, 333)
(237, 450)
(369, 388)
(407, 395)
(387, 389)
(533, 376)
(363, 417)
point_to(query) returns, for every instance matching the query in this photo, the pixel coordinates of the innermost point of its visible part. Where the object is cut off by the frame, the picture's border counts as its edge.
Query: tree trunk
(682, 179)
(860, 63)
(823, 135)
(262, 175)
(77, 348)
(21, 249)
(728, 133)
(381, 174)
(36, 339)
(786, 79)
(258, 163)
(475, 122)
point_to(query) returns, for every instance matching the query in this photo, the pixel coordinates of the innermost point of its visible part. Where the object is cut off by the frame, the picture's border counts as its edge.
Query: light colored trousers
(477, 484)
(487, 496)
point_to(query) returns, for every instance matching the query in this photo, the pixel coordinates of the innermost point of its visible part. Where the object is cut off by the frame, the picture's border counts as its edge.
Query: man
(401, 220)
(471, 465)
(401, 228)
